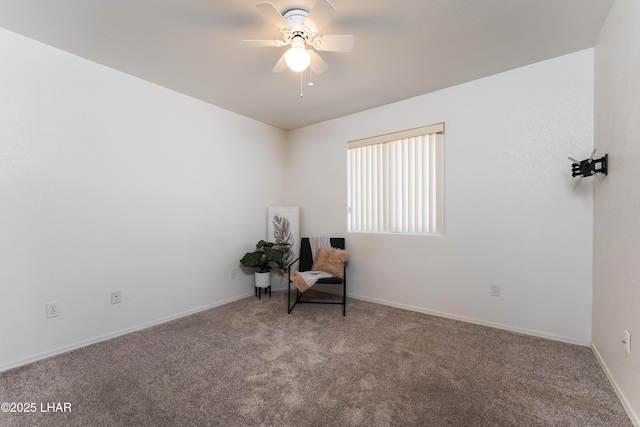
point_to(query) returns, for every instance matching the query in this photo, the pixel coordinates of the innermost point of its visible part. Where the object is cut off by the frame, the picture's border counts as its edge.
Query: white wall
(616, 283)
(108, 182)
(513, 215)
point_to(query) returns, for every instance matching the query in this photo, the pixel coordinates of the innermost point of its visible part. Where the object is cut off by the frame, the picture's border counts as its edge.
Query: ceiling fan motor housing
(296, 19)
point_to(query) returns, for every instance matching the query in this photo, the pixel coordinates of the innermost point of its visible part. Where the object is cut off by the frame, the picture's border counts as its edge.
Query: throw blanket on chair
(306, 279)
(317, 243)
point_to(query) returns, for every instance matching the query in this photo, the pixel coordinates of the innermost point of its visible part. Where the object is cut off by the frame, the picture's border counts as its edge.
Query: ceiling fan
(299, 30)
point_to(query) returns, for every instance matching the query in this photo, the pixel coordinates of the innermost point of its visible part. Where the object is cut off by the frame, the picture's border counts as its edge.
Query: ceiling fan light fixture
(299, 28)
(297, 58)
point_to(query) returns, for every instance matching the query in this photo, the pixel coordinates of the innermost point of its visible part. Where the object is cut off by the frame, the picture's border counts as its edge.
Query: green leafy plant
(265, 254)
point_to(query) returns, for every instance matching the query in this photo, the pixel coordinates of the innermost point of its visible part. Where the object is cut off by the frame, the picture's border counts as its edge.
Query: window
(396, 182)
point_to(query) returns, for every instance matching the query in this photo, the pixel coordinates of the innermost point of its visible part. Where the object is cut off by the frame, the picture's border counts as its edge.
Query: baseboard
(532, 332)
(625, 403)
(115, 334)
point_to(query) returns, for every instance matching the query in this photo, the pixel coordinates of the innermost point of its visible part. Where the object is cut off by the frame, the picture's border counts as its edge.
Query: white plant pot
(263, 280)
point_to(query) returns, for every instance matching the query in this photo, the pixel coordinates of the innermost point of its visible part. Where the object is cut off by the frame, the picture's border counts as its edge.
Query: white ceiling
(403, 48)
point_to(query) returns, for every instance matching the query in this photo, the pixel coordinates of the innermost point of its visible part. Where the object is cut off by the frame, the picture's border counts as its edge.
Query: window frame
(358, 169)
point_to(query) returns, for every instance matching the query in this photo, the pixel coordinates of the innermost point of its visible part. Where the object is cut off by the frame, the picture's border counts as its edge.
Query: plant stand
(262, 281)
(259, 291)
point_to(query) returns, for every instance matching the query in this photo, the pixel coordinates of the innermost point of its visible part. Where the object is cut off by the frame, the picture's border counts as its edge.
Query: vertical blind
(395, 182)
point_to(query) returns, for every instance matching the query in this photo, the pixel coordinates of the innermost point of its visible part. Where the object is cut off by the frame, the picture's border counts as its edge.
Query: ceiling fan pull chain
(300, 84)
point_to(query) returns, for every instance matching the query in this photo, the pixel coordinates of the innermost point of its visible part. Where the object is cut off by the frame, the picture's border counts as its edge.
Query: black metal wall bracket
(589, 166)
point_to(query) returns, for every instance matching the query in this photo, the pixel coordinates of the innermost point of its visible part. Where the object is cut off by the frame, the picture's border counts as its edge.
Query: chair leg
(344, 298)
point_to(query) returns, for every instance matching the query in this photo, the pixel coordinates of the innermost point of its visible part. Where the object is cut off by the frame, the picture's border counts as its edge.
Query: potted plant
(263, 258)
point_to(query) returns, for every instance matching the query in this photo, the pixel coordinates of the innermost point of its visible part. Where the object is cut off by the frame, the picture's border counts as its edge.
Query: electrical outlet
(53, 309)
(495, 290)
(232, 273)
(116, 297)
(627, 342)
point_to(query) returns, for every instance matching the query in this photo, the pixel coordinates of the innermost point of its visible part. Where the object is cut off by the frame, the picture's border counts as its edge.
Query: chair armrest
(289, 267)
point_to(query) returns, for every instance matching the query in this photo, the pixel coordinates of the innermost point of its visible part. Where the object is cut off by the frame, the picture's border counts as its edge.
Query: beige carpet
(248, 363)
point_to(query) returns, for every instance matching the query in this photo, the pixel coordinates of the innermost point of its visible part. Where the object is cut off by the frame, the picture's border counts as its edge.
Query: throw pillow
(331, 260)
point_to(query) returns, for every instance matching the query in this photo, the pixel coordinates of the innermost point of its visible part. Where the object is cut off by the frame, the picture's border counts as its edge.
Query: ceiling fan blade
(317, 64)
(280, 66)
(319, 15)
(270, 12)
(263, 43)
(333, 43)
